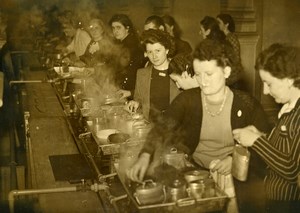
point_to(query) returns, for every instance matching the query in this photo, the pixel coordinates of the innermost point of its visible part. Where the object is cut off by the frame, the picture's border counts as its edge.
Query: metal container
(240, 162)
(140, 128)
(150, 192)
(118, 138)
(210, 188)
(196, 189)
(176, 190)
(196, 175)
(175, 158)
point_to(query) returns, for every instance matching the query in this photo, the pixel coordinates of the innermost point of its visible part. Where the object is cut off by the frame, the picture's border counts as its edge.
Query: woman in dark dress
(131, 55)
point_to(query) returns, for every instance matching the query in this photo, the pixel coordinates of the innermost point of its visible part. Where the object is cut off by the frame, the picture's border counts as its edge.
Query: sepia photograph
(149, 106)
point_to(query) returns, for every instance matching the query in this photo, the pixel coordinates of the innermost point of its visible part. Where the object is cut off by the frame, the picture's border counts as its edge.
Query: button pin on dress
(283, 128)
(239, 113)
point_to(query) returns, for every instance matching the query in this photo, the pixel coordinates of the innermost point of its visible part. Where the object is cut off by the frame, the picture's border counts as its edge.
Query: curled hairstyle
(124, 20)
(180, 63)
(223, 53)
(281, 61)
(152, 36)
(210, 23)
(227, 19)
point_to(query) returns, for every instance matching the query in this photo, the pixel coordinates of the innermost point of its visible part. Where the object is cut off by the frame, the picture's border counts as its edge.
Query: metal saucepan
(150, 192)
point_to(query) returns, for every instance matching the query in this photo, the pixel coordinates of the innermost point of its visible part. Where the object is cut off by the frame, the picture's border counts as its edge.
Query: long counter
(49, 134)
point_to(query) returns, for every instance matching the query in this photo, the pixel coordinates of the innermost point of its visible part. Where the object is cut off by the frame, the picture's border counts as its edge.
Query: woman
(154, 89)
(209, 29)
(279, 69)
(101, 48)
(80, 39)
(173, 29)
(131, 57)
(227, 25)
(199, 121)
(181, 71)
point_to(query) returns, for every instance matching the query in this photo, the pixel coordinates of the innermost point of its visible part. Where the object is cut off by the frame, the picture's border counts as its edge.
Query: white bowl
(103, 134)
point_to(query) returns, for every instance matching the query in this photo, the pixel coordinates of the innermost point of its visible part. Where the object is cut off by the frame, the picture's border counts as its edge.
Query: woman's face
(279, 89)
(204, 33)
(69, 30)
(169, 29)
(210, 76)
(119, 30)
(96, 30)
(157, 54)
(222, 26)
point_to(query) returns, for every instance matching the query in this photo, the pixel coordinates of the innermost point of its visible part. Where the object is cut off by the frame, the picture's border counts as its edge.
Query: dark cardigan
(182, 122)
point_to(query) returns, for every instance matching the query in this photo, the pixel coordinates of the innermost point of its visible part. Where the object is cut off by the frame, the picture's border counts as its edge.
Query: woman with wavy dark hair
(131, 54)
(209, 28)
(279, 69)
(154, 89)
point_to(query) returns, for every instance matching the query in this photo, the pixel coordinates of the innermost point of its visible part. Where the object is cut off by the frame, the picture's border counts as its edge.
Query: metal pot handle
(173, 150)
(148, 181)
(137, 199)
(186, 202)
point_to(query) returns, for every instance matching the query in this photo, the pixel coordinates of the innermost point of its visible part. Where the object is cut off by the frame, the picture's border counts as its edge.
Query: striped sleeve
(281, 151)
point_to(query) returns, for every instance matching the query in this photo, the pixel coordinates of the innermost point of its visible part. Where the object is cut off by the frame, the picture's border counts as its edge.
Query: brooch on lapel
(239, 113)
(283, 130)
(162, 74)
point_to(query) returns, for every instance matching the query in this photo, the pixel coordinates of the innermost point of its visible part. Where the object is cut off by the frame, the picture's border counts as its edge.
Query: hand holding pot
(222, 166)
(137, 171)
(246, 136)
(132, 106)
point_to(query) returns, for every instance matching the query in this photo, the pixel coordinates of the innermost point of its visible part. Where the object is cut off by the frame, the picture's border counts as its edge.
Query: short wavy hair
(223, 53)
(152, 36)
(124, 20)
(281, 61)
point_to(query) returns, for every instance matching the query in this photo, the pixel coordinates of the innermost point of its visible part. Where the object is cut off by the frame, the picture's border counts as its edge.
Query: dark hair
(223, 53)
(124, 20)
(180, 63)
(210, 23)
(156, 20)
(227, 19)
(281, 61)
(152, 36)
(169, 20)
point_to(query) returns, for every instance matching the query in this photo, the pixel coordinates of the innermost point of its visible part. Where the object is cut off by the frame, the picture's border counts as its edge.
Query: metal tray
(192, 205)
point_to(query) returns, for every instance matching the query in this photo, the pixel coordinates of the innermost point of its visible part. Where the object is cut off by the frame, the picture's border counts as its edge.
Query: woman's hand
(246, 136)
(222, 166)
(124, 93)
(138, 170)
(132, 106)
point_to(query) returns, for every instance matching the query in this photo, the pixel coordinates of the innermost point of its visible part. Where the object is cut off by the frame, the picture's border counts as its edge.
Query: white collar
(287, 108)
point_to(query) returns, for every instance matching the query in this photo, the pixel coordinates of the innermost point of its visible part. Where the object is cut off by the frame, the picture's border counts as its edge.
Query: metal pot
(240, 162)
(150, 192)
(176, 190)
(202, 188)
(118, 138)
(175, 158)
(196, 175)
(196, 189)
